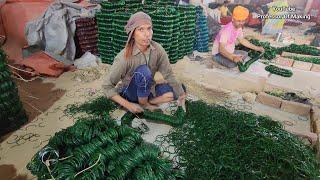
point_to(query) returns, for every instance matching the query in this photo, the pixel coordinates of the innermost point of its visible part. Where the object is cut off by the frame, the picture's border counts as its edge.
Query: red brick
(302, 65)
(315, 119)
(296, 108)
(315, 116)
(289, 54)
(315, 68)
(282, 61)
(269, 100)
(317, 127)
(313, 137)
(310, 138)
(318, 148)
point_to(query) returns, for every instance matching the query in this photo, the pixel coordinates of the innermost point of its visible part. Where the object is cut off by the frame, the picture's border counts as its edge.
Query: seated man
(223, 50)
(224, 9)
(130, 81)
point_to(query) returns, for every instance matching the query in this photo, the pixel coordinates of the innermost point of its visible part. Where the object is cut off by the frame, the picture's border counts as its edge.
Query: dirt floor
(51, 97)
(9, 172)
(37, 96)
(45, 100)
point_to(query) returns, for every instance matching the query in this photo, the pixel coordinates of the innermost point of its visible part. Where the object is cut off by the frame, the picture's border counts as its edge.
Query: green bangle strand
(278, 71)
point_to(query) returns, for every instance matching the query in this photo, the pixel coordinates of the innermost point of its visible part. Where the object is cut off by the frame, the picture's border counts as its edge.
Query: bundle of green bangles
(12, 113)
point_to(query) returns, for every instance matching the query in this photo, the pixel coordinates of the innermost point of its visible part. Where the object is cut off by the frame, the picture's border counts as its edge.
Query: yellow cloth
(240, 13)
(224, 11)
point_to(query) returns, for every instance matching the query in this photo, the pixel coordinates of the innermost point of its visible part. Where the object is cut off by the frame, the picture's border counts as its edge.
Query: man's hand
(248, 44)
(237, 58)
(150, 107)
(134, 108)
(261, 49)
(182, 99)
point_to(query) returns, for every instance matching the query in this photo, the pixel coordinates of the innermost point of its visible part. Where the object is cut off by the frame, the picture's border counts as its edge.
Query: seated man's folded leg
(139, 86)
(224, 61)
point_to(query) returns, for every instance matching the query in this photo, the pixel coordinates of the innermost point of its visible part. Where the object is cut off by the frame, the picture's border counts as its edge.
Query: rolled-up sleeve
(117, 72)
(167, 73)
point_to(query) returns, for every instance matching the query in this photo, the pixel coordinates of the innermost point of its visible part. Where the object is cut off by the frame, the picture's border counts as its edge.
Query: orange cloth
(43, 64)
(240, 13)
(15, 14)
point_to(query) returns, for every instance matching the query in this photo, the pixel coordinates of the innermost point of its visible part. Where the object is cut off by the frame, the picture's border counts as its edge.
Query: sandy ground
(36, 97)
(77, 87)
(44, 99)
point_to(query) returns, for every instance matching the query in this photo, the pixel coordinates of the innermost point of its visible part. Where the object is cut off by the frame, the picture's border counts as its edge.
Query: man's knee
(224, 61)
(142, 75)
(231, 65)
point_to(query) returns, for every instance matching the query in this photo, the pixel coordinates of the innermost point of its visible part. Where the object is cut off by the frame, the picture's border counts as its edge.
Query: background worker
(223, 50)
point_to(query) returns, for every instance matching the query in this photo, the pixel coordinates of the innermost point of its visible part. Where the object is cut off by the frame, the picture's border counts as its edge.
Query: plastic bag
(86, 61)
